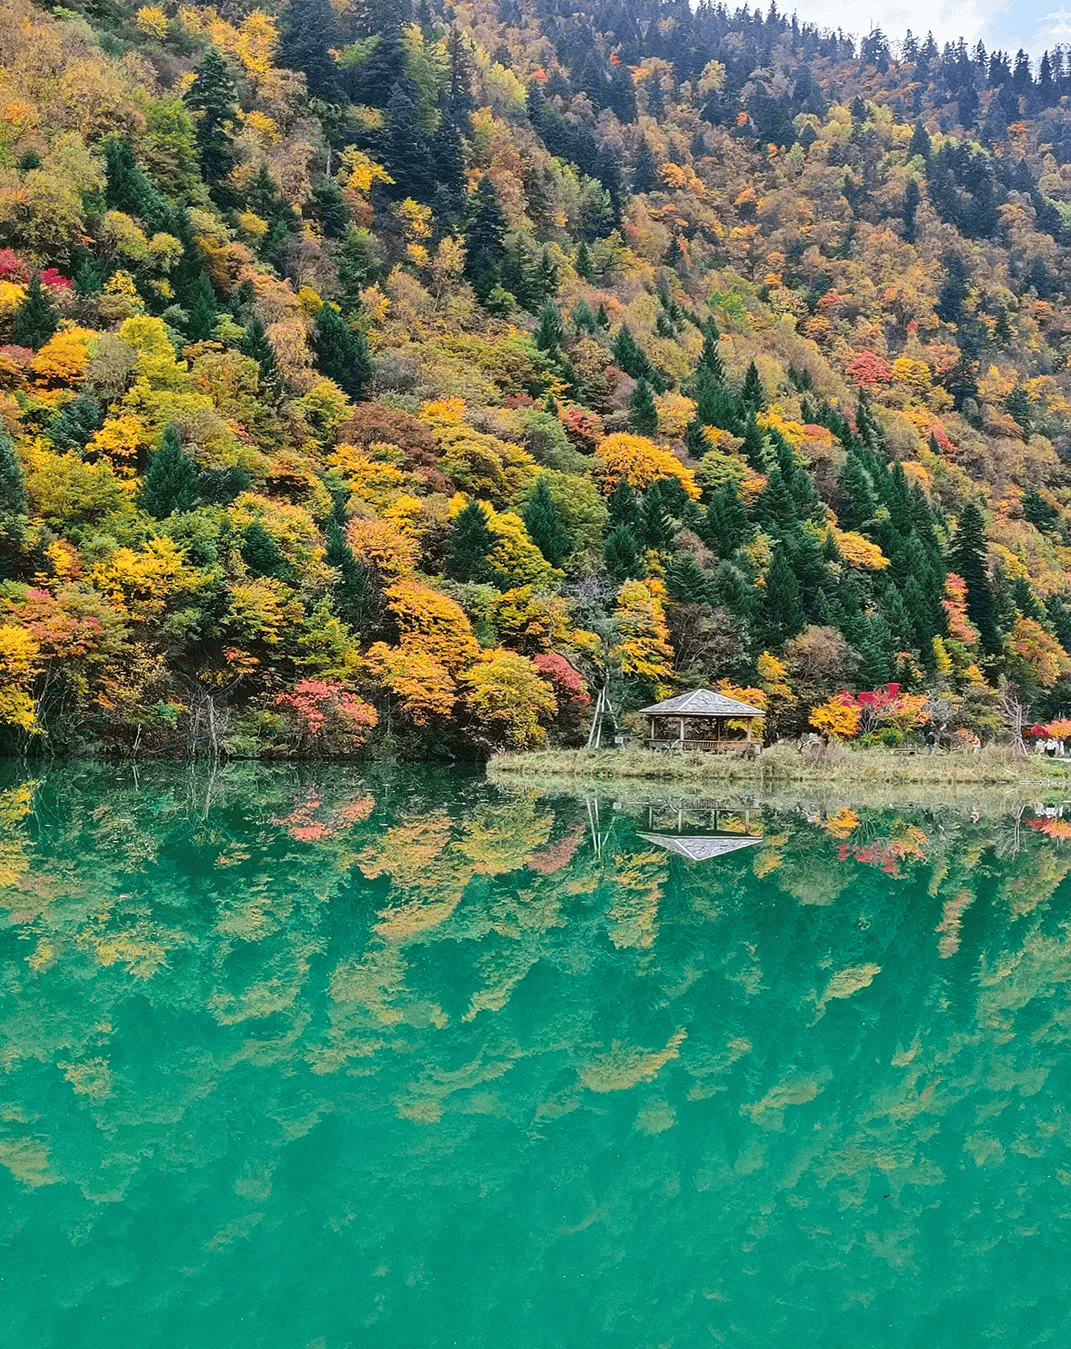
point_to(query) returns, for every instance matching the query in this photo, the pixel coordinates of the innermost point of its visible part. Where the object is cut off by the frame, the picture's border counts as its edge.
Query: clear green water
(326, 1060)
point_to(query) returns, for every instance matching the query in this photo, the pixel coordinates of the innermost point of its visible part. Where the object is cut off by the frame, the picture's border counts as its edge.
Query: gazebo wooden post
(682, 732)
(749, 722)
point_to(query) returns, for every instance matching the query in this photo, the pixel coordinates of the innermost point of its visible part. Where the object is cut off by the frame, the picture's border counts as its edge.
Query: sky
(1008, 24)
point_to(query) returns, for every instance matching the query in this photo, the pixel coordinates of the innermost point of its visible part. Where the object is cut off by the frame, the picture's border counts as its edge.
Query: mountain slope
(376, 378)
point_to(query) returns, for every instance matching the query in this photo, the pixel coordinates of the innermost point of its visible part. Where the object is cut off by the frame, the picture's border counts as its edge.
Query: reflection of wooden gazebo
(699, 721)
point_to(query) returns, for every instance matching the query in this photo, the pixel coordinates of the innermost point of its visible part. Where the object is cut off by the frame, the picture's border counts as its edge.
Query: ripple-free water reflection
(337, 1059)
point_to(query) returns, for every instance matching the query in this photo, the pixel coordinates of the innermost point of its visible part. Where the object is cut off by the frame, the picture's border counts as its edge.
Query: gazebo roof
(701, 703)
(701, 847)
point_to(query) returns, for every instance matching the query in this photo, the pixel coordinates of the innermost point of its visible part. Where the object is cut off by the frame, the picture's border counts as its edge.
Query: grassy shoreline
(992, 768)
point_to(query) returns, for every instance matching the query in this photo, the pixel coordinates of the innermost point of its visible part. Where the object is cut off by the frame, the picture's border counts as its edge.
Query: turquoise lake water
(326, 1059)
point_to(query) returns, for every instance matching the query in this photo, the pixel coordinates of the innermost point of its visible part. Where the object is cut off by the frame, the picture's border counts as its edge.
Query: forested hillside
(389, 380)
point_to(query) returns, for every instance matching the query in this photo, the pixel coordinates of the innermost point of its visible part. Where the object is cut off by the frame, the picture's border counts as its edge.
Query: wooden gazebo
(699, 721)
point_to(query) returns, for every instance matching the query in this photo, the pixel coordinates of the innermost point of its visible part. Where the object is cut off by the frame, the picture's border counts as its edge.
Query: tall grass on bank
(995, 766)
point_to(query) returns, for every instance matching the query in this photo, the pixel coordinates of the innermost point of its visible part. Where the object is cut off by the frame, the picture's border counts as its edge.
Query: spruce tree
(484, 241)
(201, 311)
(726, 527)
(469, 543)
(550, 334)
(753, 394)
(257, 345)
(75, 423)
(643, 415)
(306, 33)
(342, 355)
(126, 187)
(350, 595)
(783, 612)
(686, 581)
(13, 499)
(213, 95)
(35, 320)
(170, 485)
(629, 355)
(622, 508)
(405, 151)
(543, 521)
(621, 555)
(644, 171)
(261, 554)
(710, 362)
(13, 506)
(582, 263)
(328, 206)
(967, 558)
(857, 504)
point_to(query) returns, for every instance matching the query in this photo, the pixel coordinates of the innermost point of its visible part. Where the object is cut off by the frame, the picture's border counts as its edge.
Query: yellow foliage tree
(507, 696)
(838, 717)
(642, 650)
(433, 623)
(423, 687)
(63, 358)
(384, 545)
(640, 462)
(20, 660)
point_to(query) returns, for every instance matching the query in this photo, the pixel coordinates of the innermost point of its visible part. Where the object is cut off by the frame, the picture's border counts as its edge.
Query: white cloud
(1054, 27)
(946, 19)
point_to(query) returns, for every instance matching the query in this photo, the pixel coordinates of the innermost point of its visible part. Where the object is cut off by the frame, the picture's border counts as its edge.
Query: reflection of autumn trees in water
(204, 972)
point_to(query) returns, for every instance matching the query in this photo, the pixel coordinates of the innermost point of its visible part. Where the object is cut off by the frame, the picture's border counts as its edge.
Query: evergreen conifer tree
(695, 439)
(13, 506)
(752, 394)
(710, 362)
(686, 581)
(582, 263)
(13, 499)
(629, 355)
(405, 150)
(213, 95)
(201, 311)
(350, 594)
(857, 503)
(35, 320)
(469, 543)
(967, 558)
(621, 555)
(783, 612)
(622, 508)
(550, 334)
(257, 345)
(644, 171)
(543, 521)
(484, 241)
(306, 33)
(726, 527)
(170, 485)
(261, 554)
(75, 423)
(342, 355)
(643, 415)
(126, 187)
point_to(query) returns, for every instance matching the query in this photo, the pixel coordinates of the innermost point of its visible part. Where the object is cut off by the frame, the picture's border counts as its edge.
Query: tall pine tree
(35, 320)
(170, 485)
(543, 521)
(967, 558)
(342, 355)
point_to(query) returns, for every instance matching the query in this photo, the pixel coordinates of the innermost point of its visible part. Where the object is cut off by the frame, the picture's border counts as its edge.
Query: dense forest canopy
(376, 376)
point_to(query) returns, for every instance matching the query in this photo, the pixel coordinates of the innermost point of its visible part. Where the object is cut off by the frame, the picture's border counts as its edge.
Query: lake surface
(322, 1059)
